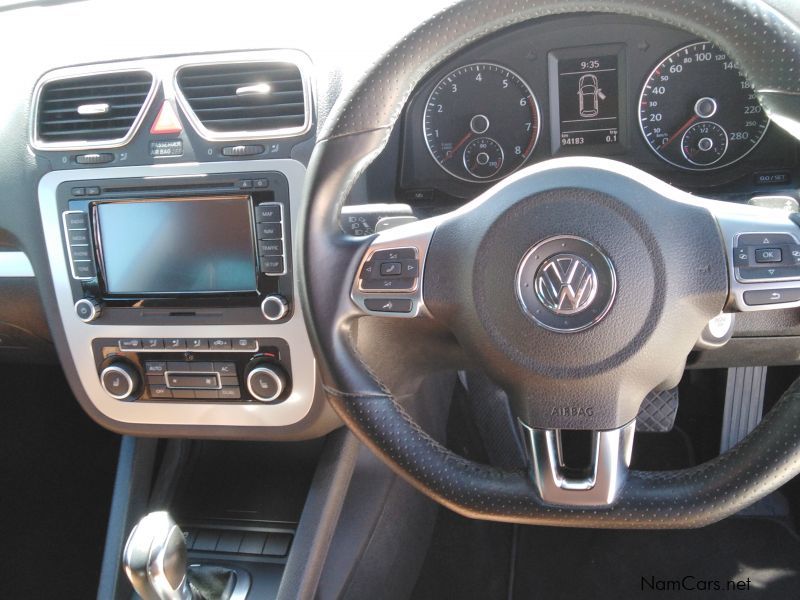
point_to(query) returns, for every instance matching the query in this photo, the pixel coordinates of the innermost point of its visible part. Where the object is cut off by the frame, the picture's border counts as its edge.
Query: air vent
(91, 110)
(245, 99)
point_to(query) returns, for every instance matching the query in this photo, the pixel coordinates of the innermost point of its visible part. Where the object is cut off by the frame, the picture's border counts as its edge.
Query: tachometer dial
(481, 112)
(692, 98)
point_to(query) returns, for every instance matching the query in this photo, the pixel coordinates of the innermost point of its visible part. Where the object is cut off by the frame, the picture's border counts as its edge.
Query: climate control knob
(120, 379)
(266, 382)
(274, 307)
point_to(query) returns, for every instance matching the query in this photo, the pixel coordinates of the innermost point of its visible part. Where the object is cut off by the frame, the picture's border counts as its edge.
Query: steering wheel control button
(768, 255)
(768, 273)
(565, 284)
(389, 305)
(119, 380)
(266, 382)
(390, 270)
(274, 307)
(393, 269)
(765, 239)
(87, 309)
(741, 257)
(778, 296)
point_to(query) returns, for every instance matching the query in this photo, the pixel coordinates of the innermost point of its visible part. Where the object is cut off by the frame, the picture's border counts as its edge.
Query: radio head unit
(201, 242)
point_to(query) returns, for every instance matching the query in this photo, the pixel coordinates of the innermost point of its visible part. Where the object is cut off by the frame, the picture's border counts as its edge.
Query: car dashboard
(156, 193)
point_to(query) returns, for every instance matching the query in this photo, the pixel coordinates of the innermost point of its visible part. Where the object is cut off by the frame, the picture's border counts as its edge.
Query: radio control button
(130, 344)
(269, 213)
(93, 191)
(87, 309)
(274, 307)
(76, 220)
(269, 231)
(270, 247)
(272, 265)
(175, 344)
(78, 236)
(79, 191)
(230, 392)
(196, 344)
(83, 268)
(80, 252)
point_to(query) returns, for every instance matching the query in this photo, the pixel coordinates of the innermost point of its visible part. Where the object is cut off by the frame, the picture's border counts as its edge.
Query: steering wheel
(581, 284)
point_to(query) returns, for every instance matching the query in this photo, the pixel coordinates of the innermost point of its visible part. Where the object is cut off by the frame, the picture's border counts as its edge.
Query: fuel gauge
(704, 143)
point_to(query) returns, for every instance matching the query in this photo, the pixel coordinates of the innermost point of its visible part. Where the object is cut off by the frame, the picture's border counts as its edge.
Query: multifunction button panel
(390, 271)
(269, 230)
(79, 244)
(764, 258)
(197, 369)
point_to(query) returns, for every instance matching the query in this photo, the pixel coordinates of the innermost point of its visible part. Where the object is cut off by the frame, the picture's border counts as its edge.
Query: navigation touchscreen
(181, 246)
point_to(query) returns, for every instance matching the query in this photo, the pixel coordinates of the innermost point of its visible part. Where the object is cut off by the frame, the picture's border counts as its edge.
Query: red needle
(680, 131)
(454, 149)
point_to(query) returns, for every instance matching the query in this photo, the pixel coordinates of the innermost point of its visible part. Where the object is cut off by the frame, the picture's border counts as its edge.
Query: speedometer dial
(481, 122)
(697, 111)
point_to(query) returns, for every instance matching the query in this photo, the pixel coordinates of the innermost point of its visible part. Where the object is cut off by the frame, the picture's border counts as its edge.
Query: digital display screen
(198, 245)
(588, 100)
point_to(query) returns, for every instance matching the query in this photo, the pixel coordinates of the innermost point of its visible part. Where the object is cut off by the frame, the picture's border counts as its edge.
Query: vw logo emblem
(566, 284)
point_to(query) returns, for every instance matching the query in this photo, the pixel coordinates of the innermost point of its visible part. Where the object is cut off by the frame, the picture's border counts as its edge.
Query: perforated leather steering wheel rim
(767, 47)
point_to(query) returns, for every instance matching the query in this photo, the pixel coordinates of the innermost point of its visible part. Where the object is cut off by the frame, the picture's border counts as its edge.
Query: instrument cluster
(641, 93)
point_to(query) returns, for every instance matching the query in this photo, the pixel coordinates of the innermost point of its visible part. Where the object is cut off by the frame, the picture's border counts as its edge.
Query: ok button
(768, 255)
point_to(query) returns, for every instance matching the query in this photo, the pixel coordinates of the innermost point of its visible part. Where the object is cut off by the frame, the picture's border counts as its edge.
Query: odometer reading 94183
(481, 122)
(697, 111)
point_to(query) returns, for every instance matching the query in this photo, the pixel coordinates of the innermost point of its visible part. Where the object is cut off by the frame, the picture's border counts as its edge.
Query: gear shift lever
(155, 559)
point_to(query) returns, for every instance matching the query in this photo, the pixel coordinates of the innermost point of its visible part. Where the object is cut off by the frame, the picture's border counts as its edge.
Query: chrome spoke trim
(605, 477)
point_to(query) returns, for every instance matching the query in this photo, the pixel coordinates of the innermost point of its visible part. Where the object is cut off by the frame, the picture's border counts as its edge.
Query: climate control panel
(195, 370)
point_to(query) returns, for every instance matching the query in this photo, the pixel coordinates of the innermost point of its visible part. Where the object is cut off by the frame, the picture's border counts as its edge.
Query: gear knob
(155, 559)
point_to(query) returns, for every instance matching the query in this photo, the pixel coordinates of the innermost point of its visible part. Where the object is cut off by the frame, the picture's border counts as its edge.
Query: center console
(175, 286)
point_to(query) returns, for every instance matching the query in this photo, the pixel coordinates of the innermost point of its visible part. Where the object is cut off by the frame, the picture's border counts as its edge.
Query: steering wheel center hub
(565, 284)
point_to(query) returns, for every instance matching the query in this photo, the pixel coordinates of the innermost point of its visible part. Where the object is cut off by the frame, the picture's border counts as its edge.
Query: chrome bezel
(300, 60)
(79, 73)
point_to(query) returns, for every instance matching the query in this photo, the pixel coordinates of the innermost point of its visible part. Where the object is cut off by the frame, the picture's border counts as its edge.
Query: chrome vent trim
(94, 105)
(244, 92)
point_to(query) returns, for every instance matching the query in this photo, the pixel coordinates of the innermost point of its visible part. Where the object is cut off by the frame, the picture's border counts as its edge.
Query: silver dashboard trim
(79, 335)
(15, 264)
